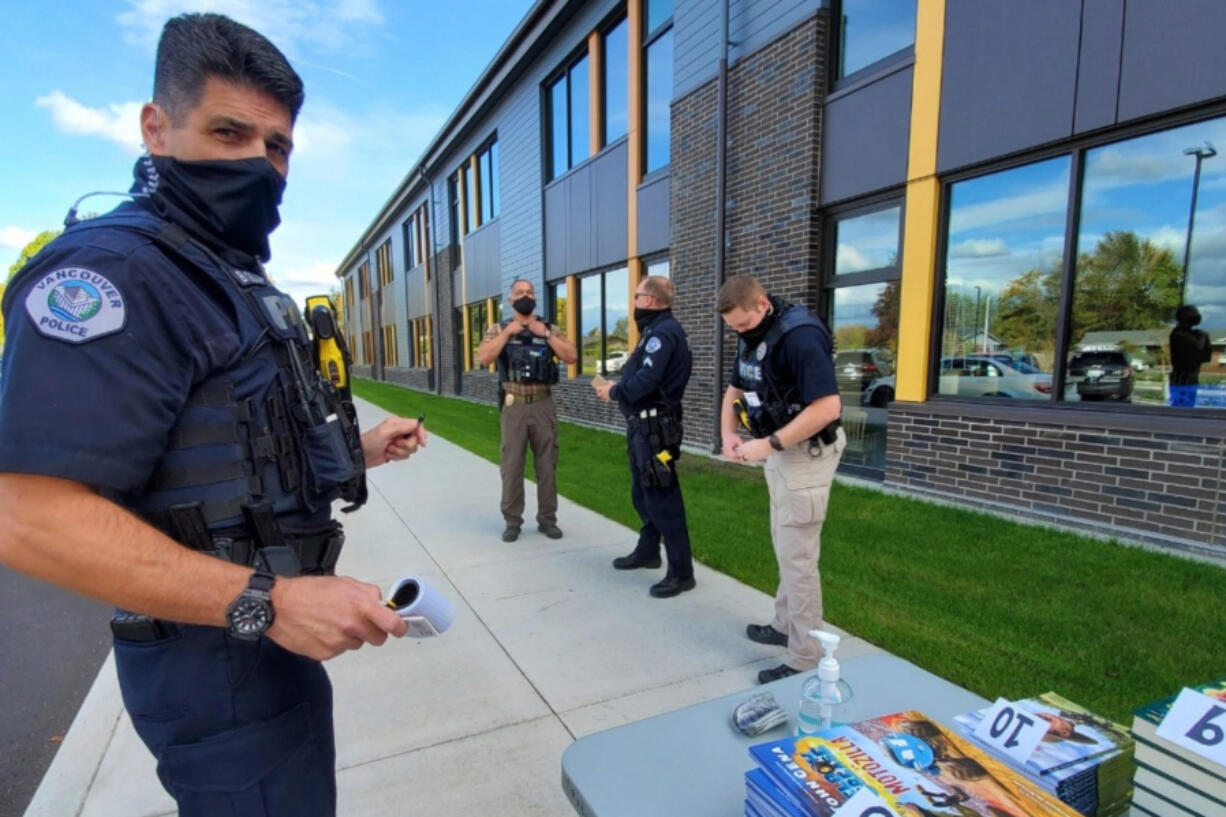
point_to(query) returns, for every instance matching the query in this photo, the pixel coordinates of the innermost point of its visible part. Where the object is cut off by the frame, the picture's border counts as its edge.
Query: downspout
(721, 160)
(436, 325)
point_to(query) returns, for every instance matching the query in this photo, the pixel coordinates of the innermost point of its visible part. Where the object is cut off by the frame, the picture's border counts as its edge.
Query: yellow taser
(331, 355)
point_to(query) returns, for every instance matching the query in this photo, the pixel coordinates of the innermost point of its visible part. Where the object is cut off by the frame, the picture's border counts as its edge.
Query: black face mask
(644, 316)
(524, 305)
(753, 337)
(231, 200)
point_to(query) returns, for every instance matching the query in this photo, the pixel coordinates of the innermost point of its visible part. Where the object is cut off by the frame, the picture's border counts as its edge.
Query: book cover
(1177, 791)
(1077, 740)
(1165, 756)
(920, 768)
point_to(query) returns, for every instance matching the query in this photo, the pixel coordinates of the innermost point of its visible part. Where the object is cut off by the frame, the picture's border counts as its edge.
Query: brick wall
(445, 351)
(1109, 473)
(772, 227)
(422, 379)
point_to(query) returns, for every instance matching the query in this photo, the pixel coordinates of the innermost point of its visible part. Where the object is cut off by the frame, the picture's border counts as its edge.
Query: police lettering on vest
(527, 358)
(771, 397)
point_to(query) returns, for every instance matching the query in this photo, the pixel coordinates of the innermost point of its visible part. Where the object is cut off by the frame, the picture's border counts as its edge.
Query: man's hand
(603, 391)
(538, 328)
(396, 438)
(323, 616)
(731, 443)
(753, 451)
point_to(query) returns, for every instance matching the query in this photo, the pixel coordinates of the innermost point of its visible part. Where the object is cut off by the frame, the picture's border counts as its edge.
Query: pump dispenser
(825, 698)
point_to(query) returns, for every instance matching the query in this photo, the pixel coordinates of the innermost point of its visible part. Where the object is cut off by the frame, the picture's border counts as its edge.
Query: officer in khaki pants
(784, 391)
(527, 350)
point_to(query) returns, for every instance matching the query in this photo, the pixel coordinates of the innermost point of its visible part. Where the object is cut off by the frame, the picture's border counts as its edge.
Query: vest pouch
(327, 457)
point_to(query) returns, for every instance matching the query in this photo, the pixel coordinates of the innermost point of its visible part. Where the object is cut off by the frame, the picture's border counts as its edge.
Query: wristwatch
(250, 615)
(774, 441)
(548, 333)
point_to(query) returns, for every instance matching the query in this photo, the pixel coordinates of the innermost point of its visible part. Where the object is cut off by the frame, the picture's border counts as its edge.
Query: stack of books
(1085, 760)
(919, 768)
(1171, 781)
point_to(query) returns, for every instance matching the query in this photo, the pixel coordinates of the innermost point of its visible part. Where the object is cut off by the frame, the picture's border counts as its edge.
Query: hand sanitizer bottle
(825, 698)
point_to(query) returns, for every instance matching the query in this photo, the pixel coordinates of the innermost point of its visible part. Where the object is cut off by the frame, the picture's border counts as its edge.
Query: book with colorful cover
(918, 767)
(1192, 770)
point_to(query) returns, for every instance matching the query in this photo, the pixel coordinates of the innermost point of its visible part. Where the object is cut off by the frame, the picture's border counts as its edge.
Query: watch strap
(261, 580)
(774, 441)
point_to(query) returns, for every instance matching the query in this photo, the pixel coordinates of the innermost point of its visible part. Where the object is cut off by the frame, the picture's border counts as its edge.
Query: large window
(1006, 242)
(416, 238)
(472, 209)
(453, 199)
(364, 281)
(487, 164)
(568, 118)
(478, 320)
(420, 345)
(658, 59)
(557, 306)
(391, 350)
(1148, 259)
(870, 30)
(383, 263)
(864, 310)
(604, 321)
(615, 84)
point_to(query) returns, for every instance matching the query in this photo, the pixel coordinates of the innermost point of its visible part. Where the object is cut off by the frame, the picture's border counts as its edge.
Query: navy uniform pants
(239, 728)
(661, 510)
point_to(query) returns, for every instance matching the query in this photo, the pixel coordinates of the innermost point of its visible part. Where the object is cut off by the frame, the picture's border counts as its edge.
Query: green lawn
(999, 608)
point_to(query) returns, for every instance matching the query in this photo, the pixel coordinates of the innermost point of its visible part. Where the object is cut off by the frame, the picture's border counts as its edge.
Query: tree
(27, 252)
(1126, 283)
(1027, 311)
(32, 249)
(885, 334)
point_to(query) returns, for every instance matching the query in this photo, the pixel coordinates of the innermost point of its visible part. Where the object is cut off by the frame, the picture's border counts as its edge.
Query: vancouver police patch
(653, 345)
(761, 352)
(75, 305)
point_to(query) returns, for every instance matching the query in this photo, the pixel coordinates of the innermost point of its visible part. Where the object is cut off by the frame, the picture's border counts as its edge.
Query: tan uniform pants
(525, 424)
(799, 485)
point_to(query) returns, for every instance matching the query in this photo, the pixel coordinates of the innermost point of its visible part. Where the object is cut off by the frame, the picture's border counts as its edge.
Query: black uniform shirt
(804, 358)
(104, 339)
(658, 369)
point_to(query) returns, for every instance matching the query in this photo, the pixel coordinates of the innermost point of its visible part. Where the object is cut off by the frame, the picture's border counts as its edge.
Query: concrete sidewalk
(549, 644)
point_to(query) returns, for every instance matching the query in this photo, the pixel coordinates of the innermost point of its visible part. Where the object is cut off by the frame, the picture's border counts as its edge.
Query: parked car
(880, 393)
(1013, 358)
(616, 361)
(856, 369)
(985, 376)
(1101, 374)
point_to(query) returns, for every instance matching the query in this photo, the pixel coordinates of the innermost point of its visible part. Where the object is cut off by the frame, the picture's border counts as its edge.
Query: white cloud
(292, 25)
(118, 122)
(849, 259)
(979, 248)
(1034, 206)
(15, 238)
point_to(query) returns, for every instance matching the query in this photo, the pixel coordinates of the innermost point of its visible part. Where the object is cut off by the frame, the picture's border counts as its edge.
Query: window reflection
(589, 323)
(871, 30)
(659, 56)
(660, 268)
(558, 136)
(616, 318)
(865, 326)
(478, 320)
(557, 314)
(1135, 267)
(580, 147)
(615, 79)
(867, 242)
(1002, 282)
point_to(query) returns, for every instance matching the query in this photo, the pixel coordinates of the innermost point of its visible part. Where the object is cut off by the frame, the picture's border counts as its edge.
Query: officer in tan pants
(784, 391)
(527, 350)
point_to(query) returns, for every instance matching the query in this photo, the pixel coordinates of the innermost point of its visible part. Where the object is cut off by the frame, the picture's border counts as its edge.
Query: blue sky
(381, 78)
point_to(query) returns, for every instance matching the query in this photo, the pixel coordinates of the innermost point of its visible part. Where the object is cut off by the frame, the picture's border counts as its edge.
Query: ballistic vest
(775, 401)
(265, 431)
(527, 359)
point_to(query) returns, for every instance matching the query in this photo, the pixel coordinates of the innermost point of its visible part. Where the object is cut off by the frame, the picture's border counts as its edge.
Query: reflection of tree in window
(885, 334)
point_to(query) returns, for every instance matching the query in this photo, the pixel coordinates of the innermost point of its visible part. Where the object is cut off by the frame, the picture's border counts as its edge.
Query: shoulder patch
(75, 305)
(653, 345)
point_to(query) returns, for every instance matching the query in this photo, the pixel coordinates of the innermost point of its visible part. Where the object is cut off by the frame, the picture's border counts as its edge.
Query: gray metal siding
(1008, 78)
(483, 261)
(1098, 65)
(609, 205)
(751, 25)
(1173, 55)
(579, 255)
(519, 146)
(654, 225)
(415, 283)
(866, 138)
(555, 230)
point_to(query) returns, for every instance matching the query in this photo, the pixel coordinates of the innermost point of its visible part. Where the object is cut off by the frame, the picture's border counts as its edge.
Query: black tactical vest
(527, 359)
(771, 400)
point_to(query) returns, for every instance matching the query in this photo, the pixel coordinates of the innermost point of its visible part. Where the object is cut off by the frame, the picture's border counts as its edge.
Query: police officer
(167, 447)
(527, 350)
(783, 388)
(649, 395)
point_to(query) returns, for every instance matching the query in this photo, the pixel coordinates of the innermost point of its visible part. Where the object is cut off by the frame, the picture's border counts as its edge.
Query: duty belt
(260, 543)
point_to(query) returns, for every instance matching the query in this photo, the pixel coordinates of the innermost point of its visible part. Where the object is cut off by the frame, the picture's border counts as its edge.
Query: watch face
(249, 617)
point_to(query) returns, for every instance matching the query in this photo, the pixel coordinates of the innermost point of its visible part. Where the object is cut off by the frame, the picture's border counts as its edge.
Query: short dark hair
(741, 290)
(194, 47)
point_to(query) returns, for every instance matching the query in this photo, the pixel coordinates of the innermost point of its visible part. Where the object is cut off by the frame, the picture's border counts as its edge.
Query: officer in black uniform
(783, 389)
(167, 446)
(649, 394)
